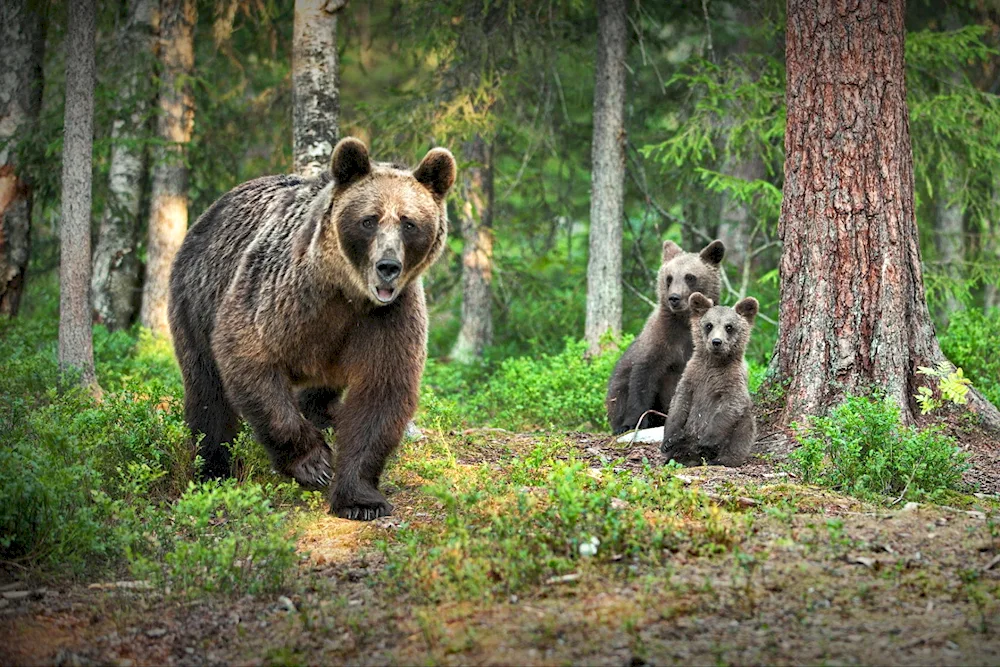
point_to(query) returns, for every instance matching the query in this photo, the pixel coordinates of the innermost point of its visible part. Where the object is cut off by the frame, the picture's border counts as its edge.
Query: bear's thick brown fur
(297, 304)
(710, 416)
(647, 374)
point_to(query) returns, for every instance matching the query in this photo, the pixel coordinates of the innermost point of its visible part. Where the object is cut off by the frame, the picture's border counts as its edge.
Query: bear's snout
(388, 269)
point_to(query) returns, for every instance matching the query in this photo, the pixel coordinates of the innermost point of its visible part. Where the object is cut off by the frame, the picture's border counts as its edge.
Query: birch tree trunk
(76, 349)
(476, 221)
(115, 280)
(168, 200)
(22, 45)
(604, 267)
(315, 85)
(853, 312)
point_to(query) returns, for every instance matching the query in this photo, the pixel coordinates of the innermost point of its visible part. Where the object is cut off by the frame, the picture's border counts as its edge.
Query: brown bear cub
(710, 416)
(647, 374)
(297, 304)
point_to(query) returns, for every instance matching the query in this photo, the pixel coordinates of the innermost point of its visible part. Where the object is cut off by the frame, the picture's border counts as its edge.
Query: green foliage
(541, 516)
(952, 386)
(863, 450)
(218, 538)
(971, 341)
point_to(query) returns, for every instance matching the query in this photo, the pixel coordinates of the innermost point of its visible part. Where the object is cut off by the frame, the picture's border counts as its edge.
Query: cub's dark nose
(674, 299)
(388, 269)
(716, 342)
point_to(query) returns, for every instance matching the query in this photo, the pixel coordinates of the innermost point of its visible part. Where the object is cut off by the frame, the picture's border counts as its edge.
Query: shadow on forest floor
(803, 576)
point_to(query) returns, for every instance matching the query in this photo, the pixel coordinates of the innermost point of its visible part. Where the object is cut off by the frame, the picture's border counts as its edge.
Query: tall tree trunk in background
(607, 199)
(168, 214)
(476, 221)
(76, 350)
(22, 45)
(735, 225)
(116, 267)
(315, 85)
(949, 241)
(853, 309)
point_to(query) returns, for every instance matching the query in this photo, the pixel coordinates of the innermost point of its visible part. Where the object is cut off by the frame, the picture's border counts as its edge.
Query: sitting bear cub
(647, 374)
(297, 304)
(710, 415)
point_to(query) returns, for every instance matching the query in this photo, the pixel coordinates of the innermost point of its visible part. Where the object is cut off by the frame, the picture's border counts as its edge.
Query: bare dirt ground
(819, 578)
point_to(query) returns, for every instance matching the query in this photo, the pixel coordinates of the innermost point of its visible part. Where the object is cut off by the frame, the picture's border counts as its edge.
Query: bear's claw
(356, 513)
(313, 470)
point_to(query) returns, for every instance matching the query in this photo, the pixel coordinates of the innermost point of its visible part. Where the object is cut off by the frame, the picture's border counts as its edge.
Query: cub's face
(720, 331)
(683, 273)
(390, 222)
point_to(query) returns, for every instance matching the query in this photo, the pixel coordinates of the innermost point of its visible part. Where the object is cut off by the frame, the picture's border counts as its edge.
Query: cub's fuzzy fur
(710, 416)
(647, 374)
(297, 304)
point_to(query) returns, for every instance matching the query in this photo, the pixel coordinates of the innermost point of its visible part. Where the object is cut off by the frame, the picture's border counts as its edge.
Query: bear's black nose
(716, 342)
(388, 269)
(674, 299)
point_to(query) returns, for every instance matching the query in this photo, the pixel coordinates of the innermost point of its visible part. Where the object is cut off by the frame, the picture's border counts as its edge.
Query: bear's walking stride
(297, 304)
(647, 374)
(710, 416)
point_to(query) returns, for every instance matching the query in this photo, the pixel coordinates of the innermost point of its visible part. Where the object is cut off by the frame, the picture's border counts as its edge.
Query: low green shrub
(863, 450)
(540, 516)
(971, 342)
(218, 538)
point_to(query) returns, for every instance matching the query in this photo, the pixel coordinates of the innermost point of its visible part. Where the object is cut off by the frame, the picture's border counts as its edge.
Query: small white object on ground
(589, 547)
(645, 435)
(412, 432)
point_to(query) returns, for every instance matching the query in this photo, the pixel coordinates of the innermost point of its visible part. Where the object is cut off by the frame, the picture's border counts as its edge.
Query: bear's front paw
(363, 504)
(313, 470)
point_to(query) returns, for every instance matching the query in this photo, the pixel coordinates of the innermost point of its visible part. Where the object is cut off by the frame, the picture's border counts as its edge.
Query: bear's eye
(689, 279)
(369, 222)
(729, 328)
(670, 279)
(708, 327)
(408, 224)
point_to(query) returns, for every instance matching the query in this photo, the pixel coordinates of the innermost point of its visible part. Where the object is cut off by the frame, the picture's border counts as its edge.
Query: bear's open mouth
(385, 294)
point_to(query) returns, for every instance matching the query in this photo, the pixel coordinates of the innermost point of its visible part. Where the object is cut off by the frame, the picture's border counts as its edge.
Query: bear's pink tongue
(384, 294)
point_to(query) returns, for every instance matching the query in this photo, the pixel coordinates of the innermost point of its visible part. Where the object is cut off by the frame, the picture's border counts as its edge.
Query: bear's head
(389, 222)
(683, 273)
(720, 332)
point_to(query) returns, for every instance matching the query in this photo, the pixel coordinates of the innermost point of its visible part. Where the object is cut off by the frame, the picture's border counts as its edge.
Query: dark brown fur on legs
(297, 304)
(647, 374)
(710, 416)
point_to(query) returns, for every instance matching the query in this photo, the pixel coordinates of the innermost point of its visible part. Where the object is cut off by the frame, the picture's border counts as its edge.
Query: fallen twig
(641, 417)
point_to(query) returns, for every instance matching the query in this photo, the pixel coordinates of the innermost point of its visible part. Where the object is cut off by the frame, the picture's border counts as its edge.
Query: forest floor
(802, 575)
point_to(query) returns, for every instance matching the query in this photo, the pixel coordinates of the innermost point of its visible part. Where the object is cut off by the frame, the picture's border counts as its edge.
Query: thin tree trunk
(315, 85)
(604, 268)
(169, 201)
(76, 349)
(853, 309)
(115, 281)
(476, 221)
(22, 46)
(735, 225)
(948, 239)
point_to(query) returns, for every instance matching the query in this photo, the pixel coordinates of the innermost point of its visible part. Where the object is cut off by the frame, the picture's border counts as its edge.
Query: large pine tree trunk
(168, 200)
(315, 85)
(115, 281)
(853, 310)
(76, 349)
(604, 268)
(476, 221)
(22, 45)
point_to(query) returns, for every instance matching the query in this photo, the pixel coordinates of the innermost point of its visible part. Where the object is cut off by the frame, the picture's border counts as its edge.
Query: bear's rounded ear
(437, 171)
(699, 304)
(670, 250)
(748, 309)
(713, 252)
(350, 161)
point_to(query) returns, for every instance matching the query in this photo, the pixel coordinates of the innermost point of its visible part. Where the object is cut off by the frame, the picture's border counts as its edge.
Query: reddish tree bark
(853, 312)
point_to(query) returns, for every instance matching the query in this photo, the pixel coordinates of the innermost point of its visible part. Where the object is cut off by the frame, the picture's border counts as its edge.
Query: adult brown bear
(297, 304)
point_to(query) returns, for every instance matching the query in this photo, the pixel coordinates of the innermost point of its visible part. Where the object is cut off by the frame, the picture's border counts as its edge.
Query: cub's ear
(748, 309)
(713, 252)
(699, 304)
(436, 171)
(350, 161)
(670, 250)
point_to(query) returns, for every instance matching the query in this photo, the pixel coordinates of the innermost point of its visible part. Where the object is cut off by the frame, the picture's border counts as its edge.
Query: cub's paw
(313, 470)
